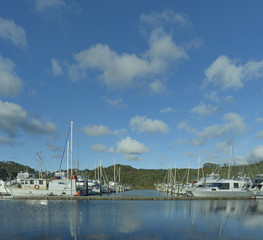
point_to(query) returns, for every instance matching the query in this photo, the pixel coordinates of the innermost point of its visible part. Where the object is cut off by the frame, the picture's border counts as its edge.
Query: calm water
(183, 219)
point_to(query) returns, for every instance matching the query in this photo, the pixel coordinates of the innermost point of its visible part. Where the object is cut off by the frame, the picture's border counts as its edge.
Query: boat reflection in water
(96, 219)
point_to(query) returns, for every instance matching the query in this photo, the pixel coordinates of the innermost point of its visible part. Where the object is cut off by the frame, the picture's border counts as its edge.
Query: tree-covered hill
(145, 178)
(10, 169)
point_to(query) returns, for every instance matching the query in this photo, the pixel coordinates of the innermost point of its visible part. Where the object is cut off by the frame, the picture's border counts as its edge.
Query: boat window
(22, 181)
(40, 182)
(220, 186)
(31, 181)
(236, 185)
(26, 182)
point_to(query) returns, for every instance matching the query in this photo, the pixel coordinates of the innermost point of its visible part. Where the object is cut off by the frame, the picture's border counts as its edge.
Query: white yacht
(224, 188)
(257, 186)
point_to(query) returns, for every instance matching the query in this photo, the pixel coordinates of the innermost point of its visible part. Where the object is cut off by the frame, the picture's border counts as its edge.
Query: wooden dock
(127, 198)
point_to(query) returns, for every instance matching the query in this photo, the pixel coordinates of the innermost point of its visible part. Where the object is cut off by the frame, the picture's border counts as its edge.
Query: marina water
(131, 219)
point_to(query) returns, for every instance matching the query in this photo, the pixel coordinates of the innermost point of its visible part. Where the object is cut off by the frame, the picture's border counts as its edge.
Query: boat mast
(230, 157)
(198, 168)
(67, 158)
(40, 159)
(71, 152)
(114, 172)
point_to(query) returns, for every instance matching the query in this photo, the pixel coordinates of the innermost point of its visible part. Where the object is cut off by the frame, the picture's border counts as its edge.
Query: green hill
(144, 178)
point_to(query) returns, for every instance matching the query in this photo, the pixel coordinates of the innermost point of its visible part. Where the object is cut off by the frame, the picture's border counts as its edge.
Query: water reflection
(131, 219)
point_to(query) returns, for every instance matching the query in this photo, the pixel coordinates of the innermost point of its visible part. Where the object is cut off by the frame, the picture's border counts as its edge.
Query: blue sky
(147, 83)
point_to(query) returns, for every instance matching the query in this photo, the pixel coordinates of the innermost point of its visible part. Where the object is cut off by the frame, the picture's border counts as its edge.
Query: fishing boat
(225, 188)
(26, 184)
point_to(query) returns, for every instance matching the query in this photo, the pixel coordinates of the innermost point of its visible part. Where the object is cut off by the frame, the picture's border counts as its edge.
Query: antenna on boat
(40, 159)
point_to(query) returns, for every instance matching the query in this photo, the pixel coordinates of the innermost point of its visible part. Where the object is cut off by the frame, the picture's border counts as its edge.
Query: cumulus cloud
(116, 103)
(203, 109)
(165, 17)
(226, 73)
(56, 67)
(260, 134)
(255, 155)
(9, 30)
(144, 124)
(10, 83)
(101, 148)
(43, 5)
(124, 70)
(163, 50)
(14, 118)
(167, 110)
(131, 148)
(100, 130)
(232, 127)
(259, 120)
(157, 87)
(117, 70)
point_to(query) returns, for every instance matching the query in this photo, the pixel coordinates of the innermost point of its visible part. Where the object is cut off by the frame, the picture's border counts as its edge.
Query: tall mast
(68, 158)
(114, 172)
(230, 158)
(198, 168)
(71, 146)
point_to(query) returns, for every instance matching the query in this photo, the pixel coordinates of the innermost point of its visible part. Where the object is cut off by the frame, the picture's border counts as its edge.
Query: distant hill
(144, 178)
(10, 169)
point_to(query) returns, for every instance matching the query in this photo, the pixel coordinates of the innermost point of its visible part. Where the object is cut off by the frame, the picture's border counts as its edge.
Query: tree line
(142, 178)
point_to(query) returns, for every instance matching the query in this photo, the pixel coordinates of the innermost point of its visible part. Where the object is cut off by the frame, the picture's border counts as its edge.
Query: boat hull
(220, 193)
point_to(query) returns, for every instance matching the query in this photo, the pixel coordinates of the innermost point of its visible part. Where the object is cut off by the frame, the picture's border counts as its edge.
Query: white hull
(220, 193)
(56, 187)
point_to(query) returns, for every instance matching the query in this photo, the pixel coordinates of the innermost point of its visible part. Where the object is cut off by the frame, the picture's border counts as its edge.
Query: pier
(129, 198)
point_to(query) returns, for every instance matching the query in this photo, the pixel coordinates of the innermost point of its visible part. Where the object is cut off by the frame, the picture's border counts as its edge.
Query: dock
(123, 198)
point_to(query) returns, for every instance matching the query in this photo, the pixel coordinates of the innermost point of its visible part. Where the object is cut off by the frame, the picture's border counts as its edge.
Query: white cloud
(157, 87)
(163, 50)
(144, 124)
(117, 70)
(43, 5)
(56, 67)
(214, 96)
(226, 74)
(14, 118)
(255, 155)
(165, 17)
(6, 141)
(126, 70)
(167, 110)
(131, 148)
(99, 131)
(116, 103)
(260, 134)
(203, 109)
(259, 120)
(101, 148)
(230, 130)
(10, 83)
(13, 32)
